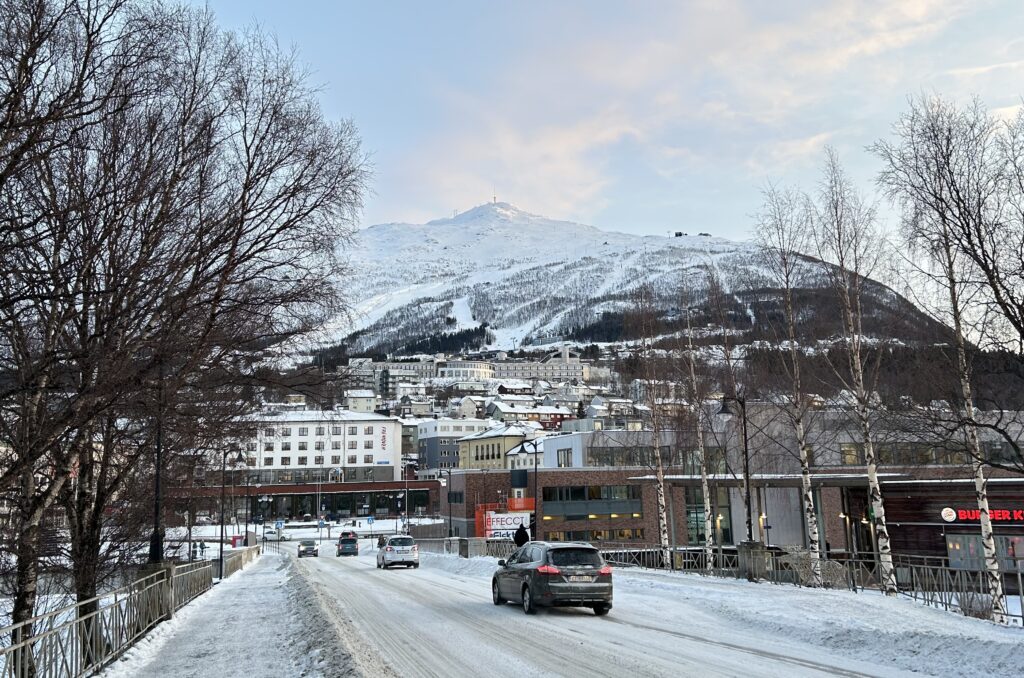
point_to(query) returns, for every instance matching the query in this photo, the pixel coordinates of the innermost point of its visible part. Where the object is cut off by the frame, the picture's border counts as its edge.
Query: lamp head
(728, 408)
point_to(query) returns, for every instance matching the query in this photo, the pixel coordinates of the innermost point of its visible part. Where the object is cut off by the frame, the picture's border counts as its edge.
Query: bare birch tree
(646, 314)
(940, 170)
(851, 247)
(784, 236)
(695, 391)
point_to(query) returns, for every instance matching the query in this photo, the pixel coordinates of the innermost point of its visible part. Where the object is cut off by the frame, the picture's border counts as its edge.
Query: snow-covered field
(341, 616)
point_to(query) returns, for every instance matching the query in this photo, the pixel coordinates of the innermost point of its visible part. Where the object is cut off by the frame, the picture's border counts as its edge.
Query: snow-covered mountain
(524, 275)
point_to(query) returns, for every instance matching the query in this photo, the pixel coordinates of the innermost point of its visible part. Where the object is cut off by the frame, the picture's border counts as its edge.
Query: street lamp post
(406, 463)
(223, 472)
(536, 499)
(449, 497)
(156, 541)
(727, 412)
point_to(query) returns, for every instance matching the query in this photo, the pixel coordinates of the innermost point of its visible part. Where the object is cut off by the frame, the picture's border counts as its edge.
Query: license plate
(580, 577)
(403, 550)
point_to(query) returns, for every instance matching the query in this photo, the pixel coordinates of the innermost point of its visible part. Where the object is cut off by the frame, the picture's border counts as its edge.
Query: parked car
(398, 550)
(553, 574)
(277, 535)
(348, 534)
(308, 547)
(348, 546)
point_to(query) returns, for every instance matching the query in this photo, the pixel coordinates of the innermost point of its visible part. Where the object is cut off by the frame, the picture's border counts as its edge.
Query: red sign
(996, 515)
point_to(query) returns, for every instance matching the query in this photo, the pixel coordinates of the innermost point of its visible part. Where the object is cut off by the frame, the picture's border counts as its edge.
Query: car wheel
(528, 605)
(415, 566)
(601, 610)
(495, 594)
(378, 564)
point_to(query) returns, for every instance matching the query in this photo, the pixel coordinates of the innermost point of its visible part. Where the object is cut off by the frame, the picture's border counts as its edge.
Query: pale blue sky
(644, 116)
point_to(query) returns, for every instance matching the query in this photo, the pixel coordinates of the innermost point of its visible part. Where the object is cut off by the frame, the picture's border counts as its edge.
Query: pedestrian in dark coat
(521, 536)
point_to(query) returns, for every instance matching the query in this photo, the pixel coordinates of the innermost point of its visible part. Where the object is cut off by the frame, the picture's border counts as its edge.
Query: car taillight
(390, 548)
(548, 569)
(607, 569)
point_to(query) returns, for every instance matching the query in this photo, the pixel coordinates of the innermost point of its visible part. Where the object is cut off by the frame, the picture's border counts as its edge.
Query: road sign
(369, 520)
(321, 524)
(278, 524)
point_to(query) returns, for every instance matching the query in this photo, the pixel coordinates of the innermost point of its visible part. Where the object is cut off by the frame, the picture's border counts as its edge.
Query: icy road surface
(439, 620)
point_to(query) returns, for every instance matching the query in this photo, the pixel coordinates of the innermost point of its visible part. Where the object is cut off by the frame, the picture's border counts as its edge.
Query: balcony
(523, 504)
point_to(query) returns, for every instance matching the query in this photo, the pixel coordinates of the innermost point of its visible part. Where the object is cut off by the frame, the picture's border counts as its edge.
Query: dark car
(348, 546)
(308, 547)
(554, 574)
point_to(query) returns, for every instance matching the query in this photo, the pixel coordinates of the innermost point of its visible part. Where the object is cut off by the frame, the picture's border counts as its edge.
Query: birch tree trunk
(849, 241)
(784, 236)
(943, 172)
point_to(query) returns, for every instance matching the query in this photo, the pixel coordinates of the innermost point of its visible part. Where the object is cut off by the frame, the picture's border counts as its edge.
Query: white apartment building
(474, 370)
(334, 445)
(362, 400)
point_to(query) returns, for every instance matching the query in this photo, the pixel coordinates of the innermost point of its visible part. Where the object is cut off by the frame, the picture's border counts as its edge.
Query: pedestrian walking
(521, 536)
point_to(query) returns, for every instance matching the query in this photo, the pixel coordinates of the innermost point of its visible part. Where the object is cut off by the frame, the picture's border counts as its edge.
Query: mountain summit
(526, 276)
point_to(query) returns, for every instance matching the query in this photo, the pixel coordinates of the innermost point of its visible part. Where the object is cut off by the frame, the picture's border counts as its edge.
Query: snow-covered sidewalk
(261, 621)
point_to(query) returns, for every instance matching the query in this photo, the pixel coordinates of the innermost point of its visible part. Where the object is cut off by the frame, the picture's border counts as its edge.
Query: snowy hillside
(524, 275)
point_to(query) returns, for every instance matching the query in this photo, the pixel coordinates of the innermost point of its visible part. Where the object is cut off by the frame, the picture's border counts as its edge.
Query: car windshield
(308, 542)
(575, 558)
(348, 540)
(402, 541)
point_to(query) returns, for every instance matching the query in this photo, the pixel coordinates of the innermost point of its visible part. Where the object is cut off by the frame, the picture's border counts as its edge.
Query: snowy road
(438, 622)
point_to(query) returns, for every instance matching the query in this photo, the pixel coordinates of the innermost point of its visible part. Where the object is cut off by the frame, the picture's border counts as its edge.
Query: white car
(398, 550)
(277, 535)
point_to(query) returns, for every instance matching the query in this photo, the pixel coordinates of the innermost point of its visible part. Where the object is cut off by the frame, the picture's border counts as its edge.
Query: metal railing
(80, 639)
(74, 641)
(236, 560)
(435, 545)
(190, 581)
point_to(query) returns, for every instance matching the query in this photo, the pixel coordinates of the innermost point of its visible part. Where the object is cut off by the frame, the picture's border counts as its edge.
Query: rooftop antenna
(494, 194)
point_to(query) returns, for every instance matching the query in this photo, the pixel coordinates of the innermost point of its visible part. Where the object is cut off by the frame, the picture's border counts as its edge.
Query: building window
(318, 461)
(352, 430)
(286, 446)
(351, 458)
(565, 458)
(335, 430)
(318, 445)
(319, 430)
(368, 430)
(286, 431)
(269, 432)
(335, 444)
(250, 447)
(352, 444)
(302, 445)
(367, 444)
(302, 461)
(852, 454)
(286, 461)
(303, 430)
(268, 447)
(268, 461)
(335, 459)
(367, 458)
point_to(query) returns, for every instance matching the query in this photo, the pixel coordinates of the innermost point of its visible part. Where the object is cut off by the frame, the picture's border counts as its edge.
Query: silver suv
(398, 550)
(554, 574)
